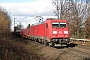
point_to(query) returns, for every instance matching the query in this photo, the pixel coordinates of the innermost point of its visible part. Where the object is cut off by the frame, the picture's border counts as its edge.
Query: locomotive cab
(58, 32)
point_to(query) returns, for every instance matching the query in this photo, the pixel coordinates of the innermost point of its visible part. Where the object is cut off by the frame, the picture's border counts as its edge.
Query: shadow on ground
(86, 59)
(67, 46)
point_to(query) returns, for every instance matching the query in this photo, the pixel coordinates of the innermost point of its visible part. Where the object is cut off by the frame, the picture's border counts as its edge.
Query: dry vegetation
(14, 49)
(87, 29)
(10, 49)
(4, 23)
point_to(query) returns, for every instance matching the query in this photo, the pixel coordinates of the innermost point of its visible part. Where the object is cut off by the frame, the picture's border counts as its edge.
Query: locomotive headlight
(65, 32)
(54, 32)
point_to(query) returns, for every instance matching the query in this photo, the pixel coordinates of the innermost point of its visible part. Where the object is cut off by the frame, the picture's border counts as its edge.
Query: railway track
(82, 46)
(78, 52)
(73, 52)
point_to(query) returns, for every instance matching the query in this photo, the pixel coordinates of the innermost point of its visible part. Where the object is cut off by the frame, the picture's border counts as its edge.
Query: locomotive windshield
(58, 24)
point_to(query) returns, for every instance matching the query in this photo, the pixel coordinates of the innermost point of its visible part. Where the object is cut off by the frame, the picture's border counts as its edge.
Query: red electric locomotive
(49, 32)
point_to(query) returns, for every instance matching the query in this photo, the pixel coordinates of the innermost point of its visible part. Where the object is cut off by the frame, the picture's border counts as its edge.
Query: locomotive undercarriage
(60, 41)
(53, 41)
(39, 39)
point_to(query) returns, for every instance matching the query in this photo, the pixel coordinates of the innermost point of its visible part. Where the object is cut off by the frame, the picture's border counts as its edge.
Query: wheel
(39, 40)
(35, 40)
(45, 42)
(51, 44)
(42, 41)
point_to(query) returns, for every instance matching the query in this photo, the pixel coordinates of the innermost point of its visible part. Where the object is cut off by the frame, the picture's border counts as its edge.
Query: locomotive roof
(53, 20)
(58, 20)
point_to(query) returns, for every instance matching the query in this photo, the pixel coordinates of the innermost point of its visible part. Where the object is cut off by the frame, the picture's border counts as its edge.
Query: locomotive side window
(55, 24)
(62, 24)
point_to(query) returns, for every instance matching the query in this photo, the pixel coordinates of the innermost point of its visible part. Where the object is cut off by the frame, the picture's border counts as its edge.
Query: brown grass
(9, 49)
(15, 50)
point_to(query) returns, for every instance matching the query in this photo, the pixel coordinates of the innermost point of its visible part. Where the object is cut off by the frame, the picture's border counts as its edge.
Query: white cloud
(29, 8)
(25, 12)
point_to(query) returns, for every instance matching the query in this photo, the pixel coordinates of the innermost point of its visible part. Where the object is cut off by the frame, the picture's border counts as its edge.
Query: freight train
(49, 32)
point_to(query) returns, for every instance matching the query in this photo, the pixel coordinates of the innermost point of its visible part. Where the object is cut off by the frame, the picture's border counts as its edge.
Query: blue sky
(15, 1)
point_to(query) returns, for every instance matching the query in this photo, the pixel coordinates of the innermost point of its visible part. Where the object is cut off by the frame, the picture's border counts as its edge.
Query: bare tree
(87, 28)
(75, 11)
